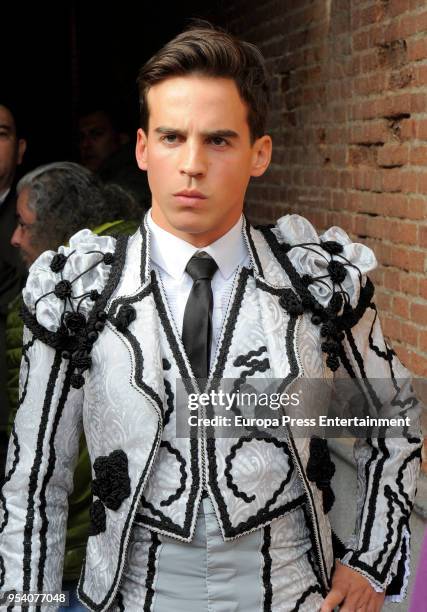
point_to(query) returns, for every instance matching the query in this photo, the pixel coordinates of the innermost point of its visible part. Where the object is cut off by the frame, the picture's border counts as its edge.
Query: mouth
(190, 197)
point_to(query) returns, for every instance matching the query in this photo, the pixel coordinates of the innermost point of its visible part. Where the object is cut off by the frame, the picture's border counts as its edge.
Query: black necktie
(197, 326)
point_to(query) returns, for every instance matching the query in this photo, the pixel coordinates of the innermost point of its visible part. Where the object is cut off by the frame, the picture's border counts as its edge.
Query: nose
(16, 237)
(193, 160)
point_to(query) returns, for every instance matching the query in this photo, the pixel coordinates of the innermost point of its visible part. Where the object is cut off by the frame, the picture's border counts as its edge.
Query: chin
(190, 222)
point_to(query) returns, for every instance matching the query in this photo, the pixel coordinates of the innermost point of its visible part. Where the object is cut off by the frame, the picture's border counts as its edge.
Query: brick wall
(349, 126)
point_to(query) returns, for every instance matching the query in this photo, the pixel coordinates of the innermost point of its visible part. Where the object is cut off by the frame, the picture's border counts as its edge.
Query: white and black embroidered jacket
(101, 350)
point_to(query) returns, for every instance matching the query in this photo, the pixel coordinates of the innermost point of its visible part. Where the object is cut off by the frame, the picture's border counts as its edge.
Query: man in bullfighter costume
(202, 523)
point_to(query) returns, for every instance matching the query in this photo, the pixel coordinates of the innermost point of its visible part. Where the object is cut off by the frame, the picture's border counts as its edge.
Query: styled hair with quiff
(209, 51)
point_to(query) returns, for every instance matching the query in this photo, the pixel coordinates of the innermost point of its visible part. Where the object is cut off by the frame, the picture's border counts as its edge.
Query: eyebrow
(5, 126)
(213, 134)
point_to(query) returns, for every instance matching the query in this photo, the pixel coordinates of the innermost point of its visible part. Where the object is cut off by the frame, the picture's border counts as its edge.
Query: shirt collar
(172, 253)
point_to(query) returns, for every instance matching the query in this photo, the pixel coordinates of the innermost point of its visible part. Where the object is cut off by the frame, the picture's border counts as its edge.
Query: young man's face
(198, 156)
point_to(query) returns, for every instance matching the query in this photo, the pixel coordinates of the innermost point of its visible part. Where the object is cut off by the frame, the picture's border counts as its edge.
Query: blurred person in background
(12, 271)
(107, 149)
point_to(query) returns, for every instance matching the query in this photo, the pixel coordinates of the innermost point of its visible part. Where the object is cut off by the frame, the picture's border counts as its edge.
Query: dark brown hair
(211, 52)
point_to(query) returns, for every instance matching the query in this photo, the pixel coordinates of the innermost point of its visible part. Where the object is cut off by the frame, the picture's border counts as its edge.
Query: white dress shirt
(169, 257)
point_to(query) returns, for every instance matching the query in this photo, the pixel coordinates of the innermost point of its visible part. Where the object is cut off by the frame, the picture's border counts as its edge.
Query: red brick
(423, 236)
(382, 300)
(392, 280)
(393, 155)
(412, 261)
(371, 14)
(420, 76)
(390, 326)
(397, 7)
(418, 103)
(411, 24)
(409, 334)
(417, 208)
(422, 182)
(409, 284)
(419, 313)
(400, 307)
(421, 129)
(410, 181)
(418, 155)
(374, 132)
(400, 232)
(417, 49)
(423, 288)
(367, 63)
(408, 129)
(392, 180)
(415, 4)
(422, 340)
(418, 364)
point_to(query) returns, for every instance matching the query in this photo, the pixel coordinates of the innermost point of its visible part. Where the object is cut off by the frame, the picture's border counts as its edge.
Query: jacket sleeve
(62, 315)
(333, 280)
(387, 466)
(42, 451)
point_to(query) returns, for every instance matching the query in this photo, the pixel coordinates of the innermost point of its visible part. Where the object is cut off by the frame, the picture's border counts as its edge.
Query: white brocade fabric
(42, 280)
(358, 258)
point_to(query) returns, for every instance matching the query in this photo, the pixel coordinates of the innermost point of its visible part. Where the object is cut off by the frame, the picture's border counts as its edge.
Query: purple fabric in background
(419, 594)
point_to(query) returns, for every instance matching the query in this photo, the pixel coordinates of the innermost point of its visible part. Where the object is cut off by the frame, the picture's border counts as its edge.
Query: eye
(24, 226)
(170, 138)
(218, 141)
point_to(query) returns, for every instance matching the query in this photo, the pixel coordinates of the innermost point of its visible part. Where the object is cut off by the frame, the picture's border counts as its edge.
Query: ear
(261, 155)
(22, 147)
(141, 149)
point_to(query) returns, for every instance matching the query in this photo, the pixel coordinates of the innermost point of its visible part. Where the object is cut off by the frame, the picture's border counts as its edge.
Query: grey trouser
(268, 569)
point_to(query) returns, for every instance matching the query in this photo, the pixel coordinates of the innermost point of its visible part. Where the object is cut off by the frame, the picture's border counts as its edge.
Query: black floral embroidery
(63, 289)
(58, 262)
(74, 321)
(316, 319)
(320, 469)
(285, 247)
(112, 482)
(335, 304)
(77, 381)
(337, 271)
(334, 318)
(97, 518)
(291, 302)
(306, 279)
(333, 362)
(108, 258)
(332, 247)
(125, 316)
(81, 360)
